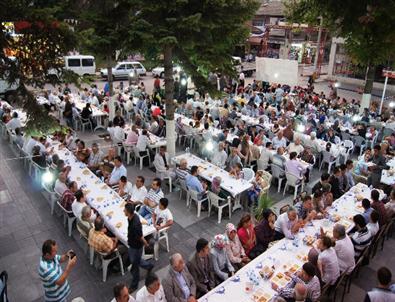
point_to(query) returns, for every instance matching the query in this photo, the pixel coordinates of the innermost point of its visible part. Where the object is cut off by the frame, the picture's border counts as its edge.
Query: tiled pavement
(25, 222)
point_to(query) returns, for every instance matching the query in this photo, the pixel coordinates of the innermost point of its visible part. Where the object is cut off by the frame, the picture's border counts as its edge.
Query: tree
(198, 34)
(103, 28)
(41, 40)
(367, 27)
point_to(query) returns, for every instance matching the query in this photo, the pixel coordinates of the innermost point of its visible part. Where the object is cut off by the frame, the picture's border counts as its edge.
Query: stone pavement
(26, 222)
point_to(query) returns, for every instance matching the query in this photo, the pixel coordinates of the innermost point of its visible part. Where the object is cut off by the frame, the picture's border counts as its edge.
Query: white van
(81, 65)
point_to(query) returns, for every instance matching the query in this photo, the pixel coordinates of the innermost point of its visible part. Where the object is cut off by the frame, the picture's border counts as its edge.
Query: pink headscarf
(219, 241)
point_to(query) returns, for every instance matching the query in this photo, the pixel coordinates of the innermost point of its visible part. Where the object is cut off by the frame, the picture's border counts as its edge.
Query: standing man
(136, 242)
(241, 77)
(56, 286)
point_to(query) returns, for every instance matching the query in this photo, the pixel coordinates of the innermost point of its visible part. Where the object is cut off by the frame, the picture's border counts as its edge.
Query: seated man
(362, 237)
(139, 191)
(60, 184)
(266, 156)
(279, 141)
(233, 158)
(162, 164)
(304, 209)
(293, 166)
(152, 290)
(382, 292)
(307, 277)
(296, 146)
(182, 170)
(286, 225)
(121, 294)
(68, 196)
(193, 183)
(85, 224)
(79, 203)
(14, 122)
(99, 240)
(219, 157)
(162, 216)
(279, 159)
(82, 153)
(125, 187)
(118, 171)
(95, 158)
(201, 268)
(179, 274)
(151, 201)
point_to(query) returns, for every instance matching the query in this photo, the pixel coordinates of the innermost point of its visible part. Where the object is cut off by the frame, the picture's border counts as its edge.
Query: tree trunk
(169, 91)
(109, 74)
(367, 90)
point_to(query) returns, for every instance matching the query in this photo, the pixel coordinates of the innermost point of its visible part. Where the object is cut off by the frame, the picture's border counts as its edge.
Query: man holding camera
(56, 286)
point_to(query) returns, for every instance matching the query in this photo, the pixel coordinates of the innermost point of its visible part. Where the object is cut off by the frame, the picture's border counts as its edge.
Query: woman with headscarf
(234, 249)
(222, 266)
(246, 233)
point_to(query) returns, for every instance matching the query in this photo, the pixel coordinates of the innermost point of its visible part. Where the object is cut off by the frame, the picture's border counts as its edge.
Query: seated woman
(236, 171)
(246, 233)
(264, 231)
(223, 268)
(328, 264)
(234, 249)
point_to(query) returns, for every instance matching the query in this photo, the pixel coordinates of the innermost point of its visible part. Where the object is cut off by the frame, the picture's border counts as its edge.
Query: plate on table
(86, 192)
(309, 240)
(292, 268)
(109, 214)
(260, 296)
(104, 187)
(86, 172)
(118, 225)
(100, 199)
(122, 205)
(280, 279)
(302, 257)
(266, 272)
(78, 178)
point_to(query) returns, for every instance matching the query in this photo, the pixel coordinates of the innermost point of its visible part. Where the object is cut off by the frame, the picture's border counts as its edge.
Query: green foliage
(264, 202)
(366, 26)
(42, 41)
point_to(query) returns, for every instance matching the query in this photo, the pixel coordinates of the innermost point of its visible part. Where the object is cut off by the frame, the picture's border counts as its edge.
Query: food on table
(100, 199)
(109, 214)
(293, 268)
(280, 279)
(336, 217)
(122, 204)
(86, 192)
(118, 225)
(78, 178)
(302, 257)
(359, 197)
(260, 296)
(104, 187)
(266, 272)
(309, 240)
(86, 172)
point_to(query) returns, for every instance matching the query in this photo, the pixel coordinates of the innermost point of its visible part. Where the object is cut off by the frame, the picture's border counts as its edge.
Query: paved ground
(25, 222)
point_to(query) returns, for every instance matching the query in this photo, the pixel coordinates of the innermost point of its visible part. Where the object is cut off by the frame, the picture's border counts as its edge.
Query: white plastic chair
(346, 136)
(293, 181)
(360, 142)
(262, 165)
(337, 140)
(278, 173)
(140, 157)
(66, 218)
(349, 145)
(82, 236)
(268, 178)
(162, 235)
(184, 188)
(106, 262)
(86, 123)
(53, 197)
(327, 158)
(193, 195)
(249, 174)
(215, 201)
(128, 148)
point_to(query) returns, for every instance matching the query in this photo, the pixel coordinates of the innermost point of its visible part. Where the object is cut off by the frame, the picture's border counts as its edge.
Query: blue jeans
(136, 261)
(145, 213)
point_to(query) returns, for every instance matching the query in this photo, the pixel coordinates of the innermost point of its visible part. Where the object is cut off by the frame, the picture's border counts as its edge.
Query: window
(74, 62)
(121, 67)
(88, 62)
(137, 66)
(129, 66)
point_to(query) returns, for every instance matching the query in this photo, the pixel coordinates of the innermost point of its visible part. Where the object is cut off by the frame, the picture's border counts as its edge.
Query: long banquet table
(286, 255)
(208, 171)
(100, 196)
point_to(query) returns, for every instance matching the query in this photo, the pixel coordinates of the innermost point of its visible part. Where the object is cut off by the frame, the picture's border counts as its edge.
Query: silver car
(123, 69)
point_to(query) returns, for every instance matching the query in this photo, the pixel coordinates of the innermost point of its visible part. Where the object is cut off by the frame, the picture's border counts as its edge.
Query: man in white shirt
(293, 166)
(119, 134)
(219, 158)
(162, 216)
(279, 141)
(14, 122)
(151, 201)
(28, 148)
(266, 156)
(118, 171)
(373, 225)
(125, 187)
(60, 184)
(121, 293)
(152, 291)
(142, 142)
(344, 249)
(296, 146)
(162, 164)
(286, 225)
(139, 191)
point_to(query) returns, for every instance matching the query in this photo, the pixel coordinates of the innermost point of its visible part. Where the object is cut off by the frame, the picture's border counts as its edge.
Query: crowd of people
(292, 129)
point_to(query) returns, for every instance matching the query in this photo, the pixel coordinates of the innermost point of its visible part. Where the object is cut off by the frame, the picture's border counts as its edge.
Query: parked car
(123, 69)
(160, 71)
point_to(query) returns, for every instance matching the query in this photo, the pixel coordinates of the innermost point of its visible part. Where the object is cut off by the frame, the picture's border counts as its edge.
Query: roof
(271, 8)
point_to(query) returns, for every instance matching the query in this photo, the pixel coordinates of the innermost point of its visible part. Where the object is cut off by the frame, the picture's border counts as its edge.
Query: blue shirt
(194, 183)
(49, 272)
(183, 284)
(366, 214)
(117, 173)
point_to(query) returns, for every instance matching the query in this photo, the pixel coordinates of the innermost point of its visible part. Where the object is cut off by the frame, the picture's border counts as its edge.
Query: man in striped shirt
(54, 280)
(151, 201)
(182, 170)
(362, 236)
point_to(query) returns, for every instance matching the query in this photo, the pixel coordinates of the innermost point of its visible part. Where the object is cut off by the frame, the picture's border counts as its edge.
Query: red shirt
(67, 199)
(156, 111)
(247, 238)
(157, 84)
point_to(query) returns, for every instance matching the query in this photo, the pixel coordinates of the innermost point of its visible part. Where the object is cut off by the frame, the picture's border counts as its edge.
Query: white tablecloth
(208, 171)
(100, 196)
(286, 253)
(154, 141)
